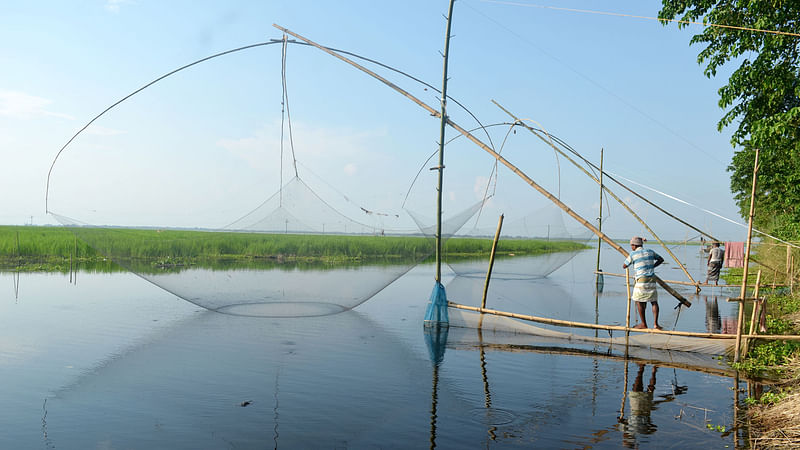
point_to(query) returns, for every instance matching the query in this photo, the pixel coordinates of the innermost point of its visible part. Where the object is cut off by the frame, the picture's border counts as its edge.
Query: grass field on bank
(36, 248)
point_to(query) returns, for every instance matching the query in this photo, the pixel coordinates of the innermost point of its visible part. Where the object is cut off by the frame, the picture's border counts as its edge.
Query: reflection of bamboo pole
(491, 261)
(746, 259)
(624, 390)
(736, 407)
(489, 150)
(628, 309)
(602, 188)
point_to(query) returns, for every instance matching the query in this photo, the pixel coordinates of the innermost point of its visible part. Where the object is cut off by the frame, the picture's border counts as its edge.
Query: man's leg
(640, 311)
(655, 316)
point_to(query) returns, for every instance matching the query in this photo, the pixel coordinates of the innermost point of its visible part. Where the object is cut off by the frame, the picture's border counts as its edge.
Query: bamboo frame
(602, 188)
(496, 155)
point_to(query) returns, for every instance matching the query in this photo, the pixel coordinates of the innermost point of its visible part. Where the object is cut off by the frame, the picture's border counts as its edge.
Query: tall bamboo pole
(491, 261)
(489, 150)
(600, 216)
(442, 129)
(746, 259)
(604, 188)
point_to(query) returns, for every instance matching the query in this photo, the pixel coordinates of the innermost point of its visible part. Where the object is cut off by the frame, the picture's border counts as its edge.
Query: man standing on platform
(644, 262)
(715, 257)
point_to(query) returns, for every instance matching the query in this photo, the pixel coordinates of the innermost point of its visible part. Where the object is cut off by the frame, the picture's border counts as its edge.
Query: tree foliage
(761, 98)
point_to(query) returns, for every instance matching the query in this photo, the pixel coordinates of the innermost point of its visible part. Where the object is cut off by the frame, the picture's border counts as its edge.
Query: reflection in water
(486, 392)
(639, 422)
(15, 278)
(47, 442)
(436, 340)
(713, 320)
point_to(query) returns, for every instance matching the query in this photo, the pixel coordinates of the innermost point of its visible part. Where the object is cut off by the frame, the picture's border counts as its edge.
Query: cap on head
(637, 241)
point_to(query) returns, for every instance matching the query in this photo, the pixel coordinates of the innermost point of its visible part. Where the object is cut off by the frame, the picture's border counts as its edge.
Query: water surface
(114, 362)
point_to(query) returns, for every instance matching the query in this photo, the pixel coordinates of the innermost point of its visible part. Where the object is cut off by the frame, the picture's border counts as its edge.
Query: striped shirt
(644, 261)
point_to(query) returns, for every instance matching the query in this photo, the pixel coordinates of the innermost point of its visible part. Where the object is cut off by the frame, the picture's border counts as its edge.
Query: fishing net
(253, 213)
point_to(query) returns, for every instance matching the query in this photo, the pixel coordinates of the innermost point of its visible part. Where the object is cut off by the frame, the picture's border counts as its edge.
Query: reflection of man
(714, 263)
(641, 403)
(713, 322)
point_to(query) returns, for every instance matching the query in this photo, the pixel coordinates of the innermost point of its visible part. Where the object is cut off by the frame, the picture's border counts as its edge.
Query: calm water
(115, 362)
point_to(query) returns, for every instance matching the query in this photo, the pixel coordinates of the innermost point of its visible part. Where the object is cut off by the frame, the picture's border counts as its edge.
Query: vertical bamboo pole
(756, 305)
(600, 217)
(788, 260)
(442, 129)
(628, 313)
(743, 292)
(491, 261)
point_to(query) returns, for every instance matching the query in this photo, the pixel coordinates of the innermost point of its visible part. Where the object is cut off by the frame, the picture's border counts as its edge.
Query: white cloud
(19, 105)
(114, 5)
(350, 169)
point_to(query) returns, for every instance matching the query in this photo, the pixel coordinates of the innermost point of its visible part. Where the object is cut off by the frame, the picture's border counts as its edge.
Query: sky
(203, 147)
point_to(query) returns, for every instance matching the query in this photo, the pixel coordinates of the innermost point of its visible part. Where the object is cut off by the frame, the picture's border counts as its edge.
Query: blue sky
(201, 147)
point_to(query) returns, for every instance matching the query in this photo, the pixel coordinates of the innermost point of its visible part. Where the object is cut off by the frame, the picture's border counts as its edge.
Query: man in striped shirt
(644, 262)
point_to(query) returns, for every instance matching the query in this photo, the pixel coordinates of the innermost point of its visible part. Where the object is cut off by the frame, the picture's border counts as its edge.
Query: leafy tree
(762, 96)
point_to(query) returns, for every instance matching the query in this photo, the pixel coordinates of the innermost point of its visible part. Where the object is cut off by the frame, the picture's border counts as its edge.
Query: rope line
(706, 211)
(633, 16)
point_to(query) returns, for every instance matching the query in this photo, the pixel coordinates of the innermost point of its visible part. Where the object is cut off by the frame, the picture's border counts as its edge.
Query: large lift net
(204, 185)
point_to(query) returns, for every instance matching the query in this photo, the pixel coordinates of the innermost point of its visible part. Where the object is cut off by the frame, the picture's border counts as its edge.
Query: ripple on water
(492, 416)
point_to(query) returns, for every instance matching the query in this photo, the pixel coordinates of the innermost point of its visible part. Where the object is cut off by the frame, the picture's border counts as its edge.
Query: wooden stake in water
(746, 260)
(491, 261)
(756, 305)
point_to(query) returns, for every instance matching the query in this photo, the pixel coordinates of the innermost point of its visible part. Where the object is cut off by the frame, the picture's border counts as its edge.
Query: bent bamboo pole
(489, 150)
(602, 188)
